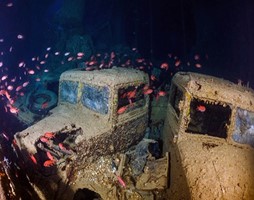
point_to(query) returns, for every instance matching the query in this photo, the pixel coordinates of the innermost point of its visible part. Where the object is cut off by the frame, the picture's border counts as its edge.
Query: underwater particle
(170, 55)
(14, 79)
(140, 60)
(48, 49)
(9, 4)
(1, 40)
(57, 53)
(20, 37)
(66, 53)
(1, 64)
(196, 57)
(46, 70)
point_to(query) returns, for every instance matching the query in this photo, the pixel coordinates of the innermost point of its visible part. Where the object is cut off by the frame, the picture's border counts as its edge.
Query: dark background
(222, 29)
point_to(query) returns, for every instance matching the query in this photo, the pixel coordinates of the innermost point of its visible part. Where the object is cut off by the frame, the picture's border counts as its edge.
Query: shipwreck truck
(209, 134)
(80, 150)
(91, 146)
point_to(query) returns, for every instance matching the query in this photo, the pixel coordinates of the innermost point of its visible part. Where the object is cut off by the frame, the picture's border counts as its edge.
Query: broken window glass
(69, 91)
(244, 127)
(132, 97)
(95, 98)
(208, 118)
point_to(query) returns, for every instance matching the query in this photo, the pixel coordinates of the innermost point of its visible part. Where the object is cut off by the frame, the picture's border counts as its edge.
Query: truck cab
(209, 135)
(79, 149)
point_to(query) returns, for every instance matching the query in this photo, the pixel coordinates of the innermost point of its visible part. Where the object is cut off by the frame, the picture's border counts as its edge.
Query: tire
(36, 101)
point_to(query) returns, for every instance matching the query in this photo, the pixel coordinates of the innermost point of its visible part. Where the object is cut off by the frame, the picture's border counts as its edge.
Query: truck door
(172, 121)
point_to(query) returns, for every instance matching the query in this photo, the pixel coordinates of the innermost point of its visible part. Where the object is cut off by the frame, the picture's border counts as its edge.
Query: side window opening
(175, 98)
(208, 118)
(244, 127)
(131, 97)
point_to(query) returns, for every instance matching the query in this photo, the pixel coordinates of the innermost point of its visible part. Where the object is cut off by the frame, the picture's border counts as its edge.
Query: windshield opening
(244, 127)
(69, 92)
(95, 98)
(209, 118)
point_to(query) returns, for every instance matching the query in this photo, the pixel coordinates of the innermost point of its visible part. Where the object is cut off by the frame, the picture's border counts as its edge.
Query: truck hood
(216, 169)
(59, 119)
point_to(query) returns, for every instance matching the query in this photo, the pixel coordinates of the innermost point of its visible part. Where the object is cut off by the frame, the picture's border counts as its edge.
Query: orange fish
(5, 136)
(31, 71)
(49, 135)
(131, 94)
(164, 66)
(80, 54)
(153, 78)
(177, 63)
(120, 180)
(148, 91)
(50, 156)
(160, 94)
(201, 108)
(44, 105)
(44, 139)
(13, 109)
(197, 65)
(49, 163)
(33, 159)
(61, 146)
(122, 110)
